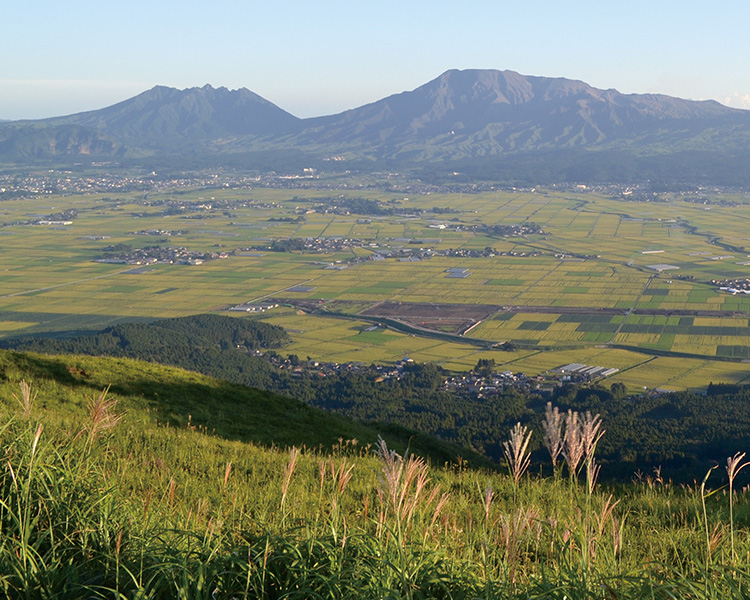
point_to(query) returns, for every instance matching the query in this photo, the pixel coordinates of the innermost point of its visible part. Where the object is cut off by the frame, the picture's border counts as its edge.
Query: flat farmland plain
(572, 276)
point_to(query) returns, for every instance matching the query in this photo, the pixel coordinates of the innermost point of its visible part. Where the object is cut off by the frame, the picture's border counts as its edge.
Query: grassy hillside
(681, 432)
(118, 495)
(154, 394)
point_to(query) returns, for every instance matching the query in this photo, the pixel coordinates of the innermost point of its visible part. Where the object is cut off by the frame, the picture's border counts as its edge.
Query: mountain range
(489, 123)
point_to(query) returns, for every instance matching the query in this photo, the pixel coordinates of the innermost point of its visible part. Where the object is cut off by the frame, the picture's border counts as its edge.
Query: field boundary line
(59, 285)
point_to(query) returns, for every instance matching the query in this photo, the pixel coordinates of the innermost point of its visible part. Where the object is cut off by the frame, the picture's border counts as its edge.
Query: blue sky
(325, 56)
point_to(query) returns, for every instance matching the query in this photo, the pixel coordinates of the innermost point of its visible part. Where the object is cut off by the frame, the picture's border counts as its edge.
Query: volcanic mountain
(167, 114)
(491, 112)
(479, 119)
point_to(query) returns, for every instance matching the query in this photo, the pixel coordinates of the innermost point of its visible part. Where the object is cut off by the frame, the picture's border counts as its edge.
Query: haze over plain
(321, 58)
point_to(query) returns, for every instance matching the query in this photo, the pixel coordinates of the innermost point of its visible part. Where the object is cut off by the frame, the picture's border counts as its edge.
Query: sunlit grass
(95, 507)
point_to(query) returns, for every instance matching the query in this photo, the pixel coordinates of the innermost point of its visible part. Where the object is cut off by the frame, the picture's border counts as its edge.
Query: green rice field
(600, 274)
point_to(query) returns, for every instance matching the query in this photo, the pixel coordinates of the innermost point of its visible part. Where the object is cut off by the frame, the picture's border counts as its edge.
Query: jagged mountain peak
(199, 112)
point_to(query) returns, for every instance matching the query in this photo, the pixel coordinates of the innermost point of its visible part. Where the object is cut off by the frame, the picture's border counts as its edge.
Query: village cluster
(156, 254)
(479, 385)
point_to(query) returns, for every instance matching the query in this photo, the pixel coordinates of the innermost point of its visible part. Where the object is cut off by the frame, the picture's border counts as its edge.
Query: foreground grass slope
(107, 495)
(153, 394)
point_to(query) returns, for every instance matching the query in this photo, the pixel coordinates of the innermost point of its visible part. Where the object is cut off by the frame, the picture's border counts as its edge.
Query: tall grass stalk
(404, 494)
(704, 496)
(287, 480)
(516, 451)
(23, 513)
(591, 433)
(518, 529)
(554, 440)
(573, 447)
(487, 527)
(26, 400)
(103, 416)
(341, 475)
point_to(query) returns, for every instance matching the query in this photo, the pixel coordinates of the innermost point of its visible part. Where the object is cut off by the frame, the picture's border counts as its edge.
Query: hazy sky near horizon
(322, 57)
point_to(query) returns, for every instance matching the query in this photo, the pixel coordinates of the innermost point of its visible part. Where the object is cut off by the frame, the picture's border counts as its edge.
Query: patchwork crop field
(563, 276)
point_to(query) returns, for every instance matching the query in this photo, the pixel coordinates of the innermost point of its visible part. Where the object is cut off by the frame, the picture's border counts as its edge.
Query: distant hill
(26, 142)
(480, 121)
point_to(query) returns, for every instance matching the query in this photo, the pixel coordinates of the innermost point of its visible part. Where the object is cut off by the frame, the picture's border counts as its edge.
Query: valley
(532, 278)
